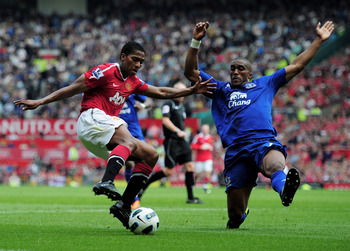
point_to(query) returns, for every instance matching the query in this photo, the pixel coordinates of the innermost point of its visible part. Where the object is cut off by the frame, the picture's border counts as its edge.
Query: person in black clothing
(177, 149)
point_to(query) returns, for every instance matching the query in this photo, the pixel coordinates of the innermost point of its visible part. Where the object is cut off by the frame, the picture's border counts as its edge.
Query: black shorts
(177, 151)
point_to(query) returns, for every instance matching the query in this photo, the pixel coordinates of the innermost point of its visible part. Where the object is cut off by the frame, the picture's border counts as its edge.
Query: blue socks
(278, 180)
(127, 174)
(245, 215)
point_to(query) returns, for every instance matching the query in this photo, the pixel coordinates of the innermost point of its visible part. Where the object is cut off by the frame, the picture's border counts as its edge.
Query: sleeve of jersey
(166, 110)
(278, 79)
(195, 145)
(205, 77)
(142, 86)
(98, 75)
(140, 98)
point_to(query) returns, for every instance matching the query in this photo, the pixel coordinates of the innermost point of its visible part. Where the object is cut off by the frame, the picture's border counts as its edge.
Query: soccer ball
(144, 221)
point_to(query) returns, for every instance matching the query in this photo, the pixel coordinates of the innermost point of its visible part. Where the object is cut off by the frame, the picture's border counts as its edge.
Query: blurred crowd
(39, 54)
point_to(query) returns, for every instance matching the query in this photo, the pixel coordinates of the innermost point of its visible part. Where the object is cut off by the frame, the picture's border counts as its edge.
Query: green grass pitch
(48, 218)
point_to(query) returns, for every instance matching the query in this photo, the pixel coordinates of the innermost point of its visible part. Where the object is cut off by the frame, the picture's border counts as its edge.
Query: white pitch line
(104, 210)
(55, 211)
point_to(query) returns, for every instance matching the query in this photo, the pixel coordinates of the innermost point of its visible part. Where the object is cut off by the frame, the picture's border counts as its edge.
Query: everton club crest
(249, 85)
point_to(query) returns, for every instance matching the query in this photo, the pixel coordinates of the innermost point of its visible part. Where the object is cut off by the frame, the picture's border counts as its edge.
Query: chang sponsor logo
(238, 99)
(125, 111)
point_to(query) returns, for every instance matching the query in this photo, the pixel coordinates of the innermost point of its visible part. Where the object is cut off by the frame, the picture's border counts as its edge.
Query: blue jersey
(244, 113)
(129, 114)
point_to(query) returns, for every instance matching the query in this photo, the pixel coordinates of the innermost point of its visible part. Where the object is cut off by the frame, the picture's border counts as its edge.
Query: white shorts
(95, 129)
(204, 166)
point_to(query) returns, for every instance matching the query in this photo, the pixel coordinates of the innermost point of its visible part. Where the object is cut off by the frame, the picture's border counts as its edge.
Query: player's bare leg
(146, 157)
(286, 185)
(189, 182)
(237, 206)
(122, 144)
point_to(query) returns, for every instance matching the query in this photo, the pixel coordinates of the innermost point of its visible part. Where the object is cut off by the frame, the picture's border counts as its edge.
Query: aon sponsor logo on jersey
(117, 99)
(238, 99)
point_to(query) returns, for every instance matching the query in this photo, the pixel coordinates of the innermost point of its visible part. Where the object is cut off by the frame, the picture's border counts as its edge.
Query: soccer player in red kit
(102, 132)
(203, 145)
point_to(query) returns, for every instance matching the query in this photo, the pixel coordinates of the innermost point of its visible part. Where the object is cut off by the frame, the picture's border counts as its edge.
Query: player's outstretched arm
(168, 93)
(191, 64)
(78, 86)
(140, 105)
(299, 63)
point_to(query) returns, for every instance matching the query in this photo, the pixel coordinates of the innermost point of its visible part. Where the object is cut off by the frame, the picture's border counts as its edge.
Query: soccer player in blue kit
(241, 110)
(129, 114)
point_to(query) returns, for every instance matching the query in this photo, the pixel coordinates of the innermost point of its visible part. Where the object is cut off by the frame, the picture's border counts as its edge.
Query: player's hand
(27, 104)
(204, 87)
(325, 31)
(181, 134)
(200, 30)
(139, 106)
(206, 146)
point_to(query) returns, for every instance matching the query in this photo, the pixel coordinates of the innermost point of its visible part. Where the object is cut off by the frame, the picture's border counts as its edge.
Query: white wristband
(195, 43)
(143, 105)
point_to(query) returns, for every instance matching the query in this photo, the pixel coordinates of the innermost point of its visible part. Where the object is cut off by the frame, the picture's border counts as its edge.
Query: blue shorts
(243, 161)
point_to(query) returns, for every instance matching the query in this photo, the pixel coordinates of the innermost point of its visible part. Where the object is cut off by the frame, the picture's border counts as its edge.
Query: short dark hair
(247, 62)
(131, 47)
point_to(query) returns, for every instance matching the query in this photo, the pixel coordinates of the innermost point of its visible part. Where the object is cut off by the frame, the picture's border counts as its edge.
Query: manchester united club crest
(128, 86)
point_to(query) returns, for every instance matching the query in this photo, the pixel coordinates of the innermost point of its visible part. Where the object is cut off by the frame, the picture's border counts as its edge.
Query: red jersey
(108, 90)
(201, 141)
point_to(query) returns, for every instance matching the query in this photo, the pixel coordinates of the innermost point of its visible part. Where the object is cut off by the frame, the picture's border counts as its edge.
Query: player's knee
(131, 144)
(168, 171)
(148, 154)
(189, 166)
(153, 157)
(275, 166)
